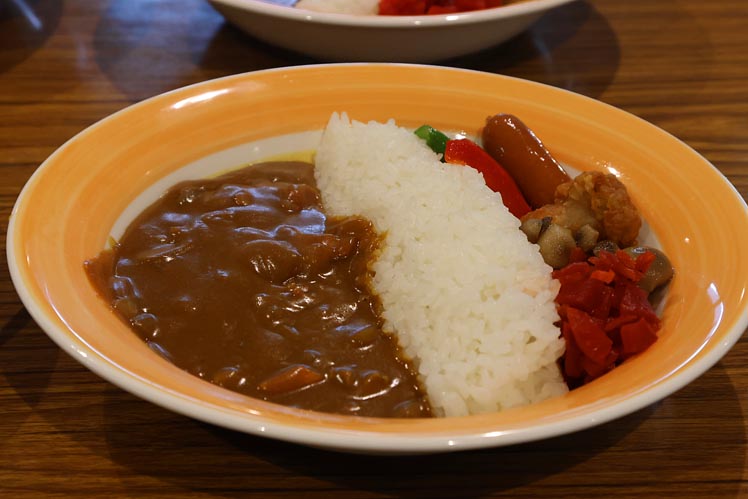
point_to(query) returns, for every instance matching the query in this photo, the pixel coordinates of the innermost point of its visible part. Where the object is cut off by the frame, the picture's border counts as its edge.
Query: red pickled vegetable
(582, 294)
(573, 272)
(605, 317)
(589, 336)
(644, 260)
(403, 7)
(634, 302)
(573, 356)
(577, 255)
(604, 304)
(441, 9)
(467, 152)
(605, 276)
(421, 7)
(616, 322)
(637, 337)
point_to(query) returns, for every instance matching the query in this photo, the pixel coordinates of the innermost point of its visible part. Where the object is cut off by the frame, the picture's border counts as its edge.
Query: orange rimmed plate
(86, 191)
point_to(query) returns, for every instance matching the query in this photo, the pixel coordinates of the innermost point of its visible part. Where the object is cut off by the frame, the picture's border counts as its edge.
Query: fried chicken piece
(598, 200)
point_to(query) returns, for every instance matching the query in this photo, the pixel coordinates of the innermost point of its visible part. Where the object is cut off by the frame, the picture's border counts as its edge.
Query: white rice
(356, 7)
(468, 297)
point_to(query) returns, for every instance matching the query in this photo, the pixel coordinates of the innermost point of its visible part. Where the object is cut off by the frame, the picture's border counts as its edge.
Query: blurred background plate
(343, 37)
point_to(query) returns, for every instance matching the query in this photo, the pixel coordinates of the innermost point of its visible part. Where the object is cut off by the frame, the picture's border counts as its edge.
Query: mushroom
(658, 273)
(556, 243)
(605, 245)
(532, 227)
(587, 237)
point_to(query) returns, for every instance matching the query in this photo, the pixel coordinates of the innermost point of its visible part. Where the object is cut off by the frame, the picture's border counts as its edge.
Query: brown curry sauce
(243, 281)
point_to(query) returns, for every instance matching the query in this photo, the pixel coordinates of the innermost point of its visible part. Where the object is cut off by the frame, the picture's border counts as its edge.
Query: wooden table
(681, 64)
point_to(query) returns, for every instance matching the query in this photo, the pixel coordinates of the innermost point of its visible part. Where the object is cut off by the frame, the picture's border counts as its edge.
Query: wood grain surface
(64, 64)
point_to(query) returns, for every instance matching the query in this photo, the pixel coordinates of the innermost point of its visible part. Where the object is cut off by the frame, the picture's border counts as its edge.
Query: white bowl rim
(355, 441)
(425, 21)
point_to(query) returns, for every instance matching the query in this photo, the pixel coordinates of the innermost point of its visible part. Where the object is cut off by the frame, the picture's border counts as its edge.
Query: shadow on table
(27, 360)
(571, 47)
(24, 27)
(232, 51)
(663, 440)
(27, 356)
(231, 464)
(463, 474)
(179, 43)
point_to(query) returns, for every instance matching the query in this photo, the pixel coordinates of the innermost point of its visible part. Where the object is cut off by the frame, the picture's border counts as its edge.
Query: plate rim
(347, 440)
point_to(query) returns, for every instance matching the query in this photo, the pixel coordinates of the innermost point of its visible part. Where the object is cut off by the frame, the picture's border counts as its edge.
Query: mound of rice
(468, 297)
(356, 7)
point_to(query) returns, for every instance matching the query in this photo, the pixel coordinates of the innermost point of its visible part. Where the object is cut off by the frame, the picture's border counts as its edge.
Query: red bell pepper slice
(467, 152)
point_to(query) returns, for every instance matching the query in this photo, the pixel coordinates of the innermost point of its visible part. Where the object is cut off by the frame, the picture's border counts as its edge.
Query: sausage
(524, 156)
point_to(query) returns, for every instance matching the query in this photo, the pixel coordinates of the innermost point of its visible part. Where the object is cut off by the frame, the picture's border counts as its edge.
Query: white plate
(342, 37)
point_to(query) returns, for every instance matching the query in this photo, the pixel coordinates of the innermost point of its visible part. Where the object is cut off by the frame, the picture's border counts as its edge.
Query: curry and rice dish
(388, 279)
